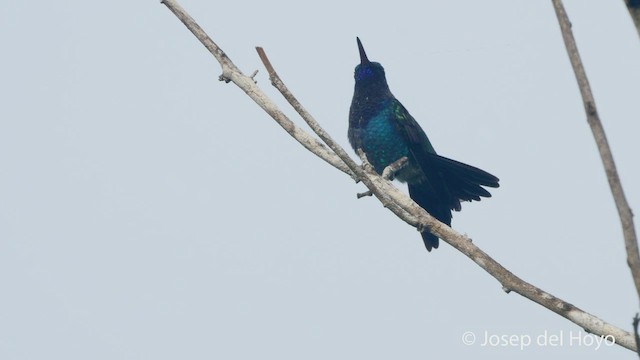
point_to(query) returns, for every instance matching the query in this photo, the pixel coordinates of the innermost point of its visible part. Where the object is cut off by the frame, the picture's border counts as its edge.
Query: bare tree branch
(624, 211)
(394, 199)
(634, 10)
(230, 72)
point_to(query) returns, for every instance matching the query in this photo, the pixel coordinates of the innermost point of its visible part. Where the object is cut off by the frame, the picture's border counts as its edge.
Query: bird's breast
(381, 141)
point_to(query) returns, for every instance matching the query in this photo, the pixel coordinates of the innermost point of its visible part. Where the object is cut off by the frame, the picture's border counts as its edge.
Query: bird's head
(368, 73)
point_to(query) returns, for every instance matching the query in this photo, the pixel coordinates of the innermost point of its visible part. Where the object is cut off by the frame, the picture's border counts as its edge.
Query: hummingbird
(383, 128)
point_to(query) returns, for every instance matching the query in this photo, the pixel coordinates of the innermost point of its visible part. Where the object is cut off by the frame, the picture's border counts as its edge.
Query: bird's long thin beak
(363, 55)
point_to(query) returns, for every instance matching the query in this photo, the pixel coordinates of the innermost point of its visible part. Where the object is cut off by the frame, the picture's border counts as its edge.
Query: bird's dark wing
(409, 128)
(451, 180)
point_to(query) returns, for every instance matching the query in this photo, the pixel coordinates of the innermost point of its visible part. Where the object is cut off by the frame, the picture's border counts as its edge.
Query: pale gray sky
(148, 211)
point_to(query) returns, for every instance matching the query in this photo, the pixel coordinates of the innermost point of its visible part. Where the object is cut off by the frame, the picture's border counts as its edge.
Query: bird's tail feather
(430, 241)
(435, 207)
(464, 182)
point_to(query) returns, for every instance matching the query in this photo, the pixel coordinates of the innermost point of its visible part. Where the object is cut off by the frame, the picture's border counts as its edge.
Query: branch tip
(265, 61)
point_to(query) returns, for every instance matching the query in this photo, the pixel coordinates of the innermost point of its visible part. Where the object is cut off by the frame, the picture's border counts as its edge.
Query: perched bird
(386, 132)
